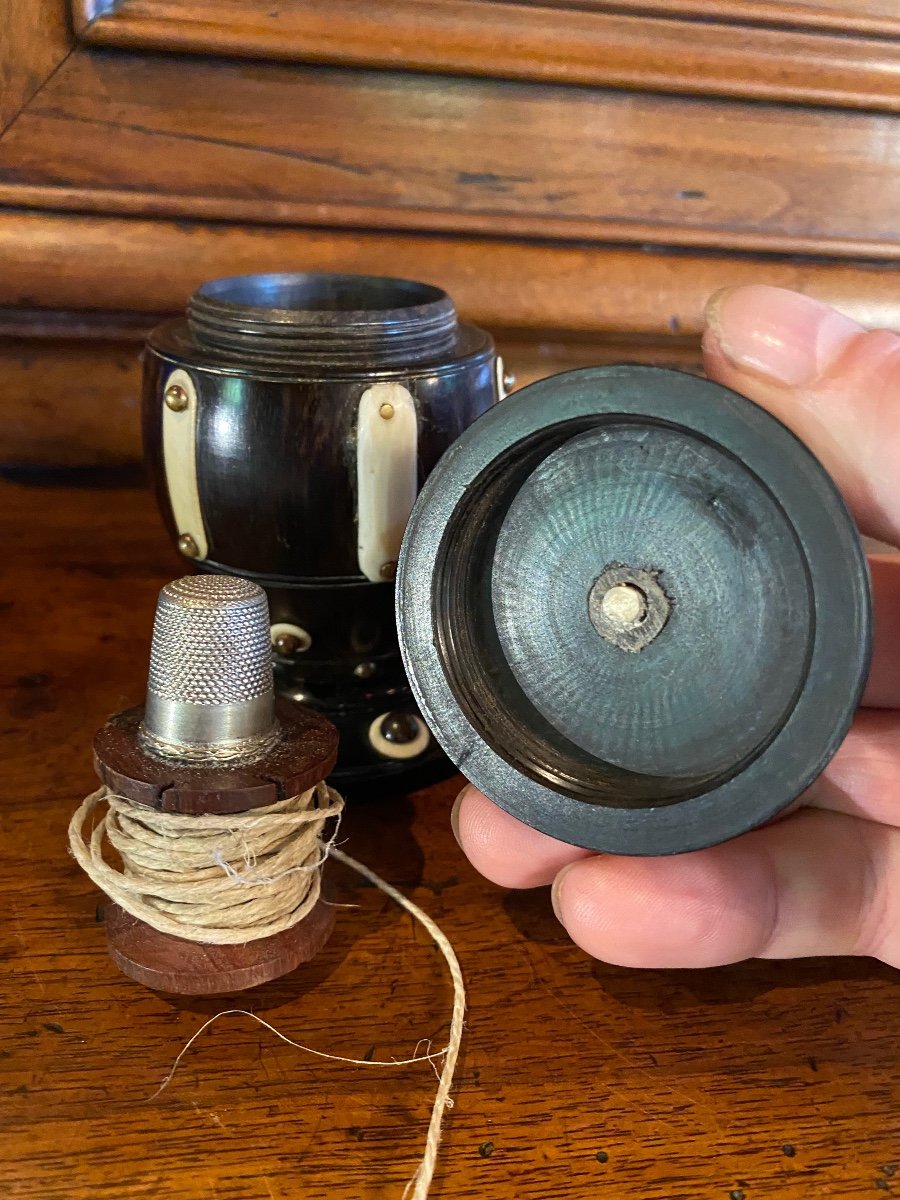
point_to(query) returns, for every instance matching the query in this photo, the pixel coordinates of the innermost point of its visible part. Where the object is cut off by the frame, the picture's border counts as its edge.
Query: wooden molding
(845, 16)
(82, 264)
(151, 135)
(76, 325)
(876, 18)
(821, 52)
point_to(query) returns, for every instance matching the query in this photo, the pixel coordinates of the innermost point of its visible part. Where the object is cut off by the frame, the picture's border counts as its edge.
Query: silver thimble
(209, 691)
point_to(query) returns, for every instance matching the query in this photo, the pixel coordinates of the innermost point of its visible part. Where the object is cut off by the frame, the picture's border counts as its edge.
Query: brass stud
(386, 411)
(388, 571)
(286, 645)
(176, 397)
(364, 670)
(400, 727)
(188, 546)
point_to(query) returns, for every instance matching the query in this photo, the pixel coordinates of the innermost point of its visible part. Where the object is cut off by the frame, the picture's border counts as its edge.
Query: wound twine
(220, 878)
(230, 878)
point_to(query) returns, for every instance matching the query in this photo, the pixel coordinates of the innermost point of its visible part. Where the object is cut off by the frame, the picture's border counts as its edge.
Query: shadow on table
(676, 990)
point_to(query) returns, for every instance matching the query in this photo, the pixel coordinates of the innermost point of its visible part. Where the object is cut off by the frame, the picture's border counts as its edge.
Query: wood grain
(121, 133)
(878, 17)
(304, 755)
(35, 40)
(856, 16)
(53, 262)
(780, 1081)
(69, 402)
(559, 42)
(178, 966)
(181, 967)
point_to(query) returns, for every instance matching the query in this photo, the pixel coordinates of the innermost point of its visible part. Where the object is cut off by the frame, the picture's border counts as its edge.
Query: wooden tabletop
(576, 1080)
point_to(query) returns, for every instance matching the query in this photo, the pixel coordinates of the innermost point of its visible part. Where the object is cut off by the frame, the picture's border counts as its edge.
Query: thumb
(834, 384)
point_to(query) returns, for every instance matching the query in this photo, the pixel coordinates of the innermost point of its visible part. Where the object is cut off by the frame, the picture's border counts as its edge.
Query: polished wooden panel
(69, 403)
(848, 16)
(34, 39)
(112, 132)
(529, 359)
(61, 262)
(775, 1081)
(561, 42)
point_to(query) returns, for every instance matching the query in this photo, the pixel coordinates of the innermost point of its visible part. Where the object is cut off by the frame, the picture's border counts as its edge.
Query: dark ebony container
(288, 423)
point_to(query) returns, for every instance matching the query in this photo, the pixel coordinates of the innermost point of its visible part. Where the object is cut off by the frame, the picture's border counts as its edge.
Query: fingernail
(789, 338)
(454, 814)
(555, 891)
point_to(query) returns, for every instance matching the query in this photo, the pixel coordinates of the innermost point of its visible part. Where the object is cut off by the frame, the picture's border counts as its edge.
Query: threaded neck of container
(334, 320)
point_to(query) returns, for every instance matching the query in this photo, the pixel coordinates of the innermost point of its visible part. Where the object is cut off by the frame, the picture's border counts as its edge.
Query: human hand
(825, 879)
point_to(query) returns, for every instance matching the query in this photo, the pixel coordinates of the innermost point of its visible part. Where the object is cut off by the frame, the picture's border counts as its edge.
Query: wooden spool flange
(304, 755)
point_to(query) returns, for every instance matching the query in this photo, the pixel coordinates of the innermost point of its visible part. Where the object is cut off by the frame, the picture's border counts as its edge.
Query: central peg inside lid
(627, 606)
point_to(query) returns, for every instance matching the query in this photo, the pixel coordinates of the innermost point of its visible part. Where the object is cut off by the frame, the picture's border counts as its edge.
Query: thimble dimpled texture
(210, 642)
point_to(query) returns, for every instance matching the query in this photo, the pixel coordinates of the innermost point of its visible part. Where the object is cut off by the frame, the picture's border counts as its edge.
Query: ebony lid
(634, 610)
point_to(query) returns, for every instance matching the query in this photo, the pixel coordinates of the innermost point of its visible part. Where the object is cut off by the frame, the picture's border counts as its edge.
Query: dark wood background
(581, 176)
